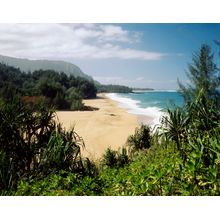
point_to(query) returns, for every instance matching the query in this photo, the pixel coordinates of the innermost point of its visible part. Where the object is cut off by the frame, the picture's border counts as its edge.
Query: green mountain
(27, 65)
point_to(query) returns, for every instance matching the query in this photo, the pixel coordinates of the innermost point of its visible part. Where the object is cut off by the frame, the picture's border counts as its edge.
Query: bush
(77, 105)
(90, 168)
(60, 184)
(109, 158)
(8, 175)
(113, 158)
(74, 97)
(141, 139)
(123, 158)
(62, 152)
(33, 143)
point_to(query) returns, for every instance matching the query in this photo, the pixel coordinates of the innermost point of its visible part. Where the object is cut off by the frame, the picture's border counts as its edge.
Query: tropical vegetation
(113, 88)
(55, 89)
(38, 157)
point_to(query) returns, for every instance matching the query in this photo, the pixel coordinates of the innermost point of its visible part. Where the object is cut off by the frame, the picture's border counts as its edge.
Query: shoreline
(149, 115)
(108, 126)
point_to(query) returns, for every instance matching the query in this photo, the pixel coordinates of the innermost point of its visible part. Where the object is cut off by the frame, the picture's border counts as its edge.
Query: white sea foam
(154, 113)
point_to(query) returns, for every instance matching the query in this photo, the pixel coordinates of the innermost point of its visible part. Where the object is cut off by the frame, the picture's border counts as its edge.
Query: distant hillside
(113, 88)
(142, 89)
(32, 65)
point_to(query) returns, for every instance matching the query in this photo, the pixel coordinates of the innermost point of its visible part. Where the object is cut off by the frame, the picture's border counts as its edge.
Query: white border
(100, 208)
(103, 11)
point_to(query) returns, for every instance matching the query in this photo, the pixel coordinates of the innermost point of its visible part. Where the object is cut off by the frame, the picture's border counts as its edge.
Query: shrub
(123, 158)
(110, 158)
(77, 105)
(33, 143)
(74, 97)
(141, 139)
(62, 152)
(8, 175)
(90, 168)
(113, 158)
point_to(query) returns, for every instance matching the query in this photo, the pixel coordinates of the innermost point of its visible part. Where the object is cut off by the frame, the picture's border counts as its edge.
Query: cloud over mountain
(71, 41)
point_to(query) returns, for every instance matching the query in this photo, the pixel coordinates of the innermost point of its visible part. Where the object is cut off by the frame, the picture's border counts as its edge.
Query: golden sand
(109, 126)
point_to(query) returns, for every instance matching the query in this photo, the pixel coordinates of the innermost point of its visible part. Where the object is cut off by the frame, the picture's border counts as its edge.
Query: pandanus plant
(175, 126)
(35, 142)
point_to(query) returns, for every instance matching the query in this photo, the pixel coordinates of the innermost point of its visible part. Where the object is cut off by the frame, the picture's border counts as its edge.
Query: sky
(135, 55)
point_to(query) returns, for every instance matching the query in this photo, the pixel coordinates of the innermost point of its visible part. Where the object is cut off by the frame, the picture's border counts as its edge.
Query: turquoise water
(160, 99)
(152, 104)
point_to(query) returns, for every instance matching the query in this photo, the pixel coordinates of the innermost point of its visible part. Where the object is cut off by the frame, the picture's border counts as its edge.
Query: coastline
(150, 115)
(109, 126)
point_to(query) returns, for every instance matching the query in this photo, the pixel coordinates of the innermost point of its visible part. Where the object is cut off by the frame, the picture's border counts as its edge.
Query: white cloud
(71, 41)
(139, 78)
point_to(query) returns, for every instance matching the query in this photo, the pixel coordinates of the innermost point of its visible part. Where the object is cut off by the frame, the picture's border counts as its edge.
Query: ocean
(152, 104)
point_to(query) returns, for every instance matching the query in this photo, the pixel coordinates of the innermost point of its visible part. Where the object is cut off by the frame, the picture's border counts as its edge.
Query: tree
(203, 77)
(201, 109)
(202, 97)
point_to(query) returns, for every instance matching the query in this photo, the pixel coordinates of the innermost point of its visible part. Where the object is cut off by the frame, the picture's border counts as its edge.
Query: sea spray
(153, 114)
(149, 106)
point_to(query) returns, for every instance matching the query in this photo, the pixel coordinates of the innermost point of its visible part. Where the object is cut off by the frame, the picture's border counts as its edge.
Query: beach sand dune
(109, 126)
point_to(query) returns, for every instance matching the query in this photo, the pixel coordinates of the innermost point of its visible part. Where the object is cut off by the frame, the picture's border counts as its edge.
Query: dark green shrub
(141, 139)
(74, 97)
(62, 152)
(113, 158)
(122, 158)
(59, 101)
(77, 105)
(90, 168)
(110, 158)
(33, 143)
(8, 175)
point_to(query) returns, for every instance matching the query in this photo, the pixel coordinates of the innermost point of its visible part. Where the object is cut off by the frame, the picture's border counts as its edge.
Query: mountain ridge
(27, 65)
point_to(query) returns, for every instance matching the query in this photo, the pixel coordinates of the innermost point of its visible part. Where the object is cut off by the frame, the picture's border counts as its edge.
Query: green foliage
(159, 171)
(110, 158)
(61, 91)
(182, 158)
(61, 152)
(60, 184)
(174, 126)
(203, 75)
(8, 176)
(54, 184)
(32, 143)
(141, 139)
(123, 158)
(204, 113)
(74, 97)
(113, 158)
(90, 168)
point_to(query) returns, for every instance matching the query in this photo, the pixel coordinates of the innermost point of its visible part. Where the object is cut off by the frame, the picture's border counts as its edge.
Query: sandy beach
(109, 126)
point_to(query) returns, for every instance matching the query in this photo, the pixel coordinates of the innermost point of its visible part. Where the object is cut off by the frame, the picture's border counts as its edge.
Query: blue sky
(137, 55)
(176, 41)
